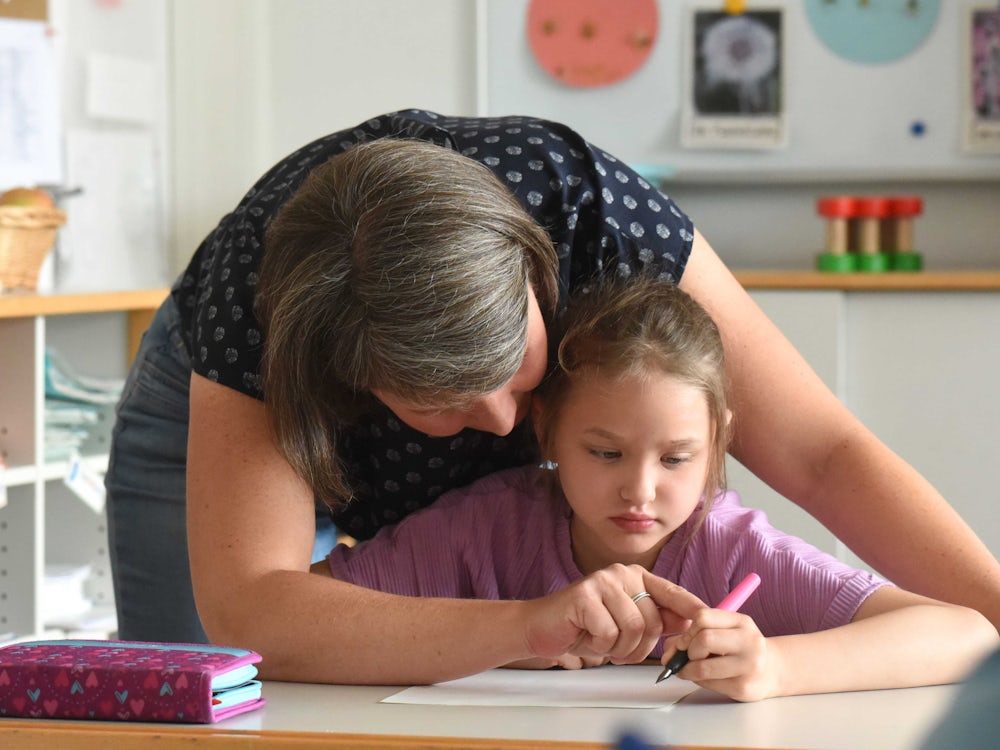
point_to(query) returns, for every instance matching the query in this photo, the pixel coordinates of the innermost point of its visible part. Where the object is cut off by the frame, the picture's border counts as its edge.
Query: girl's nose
(639, 484)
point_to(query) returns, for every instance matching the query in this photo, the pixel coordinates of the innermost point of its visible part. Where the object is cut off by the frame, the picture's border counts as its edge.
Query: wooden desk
(313, 716)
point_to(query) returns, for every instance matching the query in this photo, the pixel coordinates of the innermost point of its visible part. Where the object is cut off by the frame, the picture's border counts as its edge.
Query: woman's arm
(794, 434)
(251, 523)
(896, 639)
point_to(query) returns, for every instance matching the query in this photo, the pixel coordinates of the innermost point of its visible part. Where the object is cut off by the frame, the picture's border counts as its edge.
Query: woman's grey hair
(401, 266)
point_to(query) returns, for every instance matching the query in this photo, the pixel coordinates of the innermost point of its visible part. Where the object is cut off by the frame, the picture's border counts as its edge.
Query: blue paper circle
(877, 31)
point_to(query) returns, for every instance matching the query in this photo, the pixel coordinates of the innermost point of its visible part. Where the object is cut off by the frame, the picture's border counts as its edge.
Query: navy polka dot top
(603, 218)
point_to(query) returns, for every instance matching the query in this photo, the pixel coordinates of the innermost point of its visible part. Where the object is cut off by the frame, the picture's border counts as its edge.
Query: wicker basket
(27, 234)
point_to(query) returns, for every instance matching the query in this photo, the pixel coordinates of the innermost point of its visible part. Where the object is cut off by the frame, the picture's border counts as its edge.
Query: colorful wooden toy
(838, 211)
(903, 210)
(870, 233)
(872, 211)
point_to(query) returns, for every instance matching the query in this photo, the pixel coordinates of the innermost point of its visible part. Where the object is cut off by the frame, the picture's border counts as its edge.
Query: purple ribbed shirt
(506, 537)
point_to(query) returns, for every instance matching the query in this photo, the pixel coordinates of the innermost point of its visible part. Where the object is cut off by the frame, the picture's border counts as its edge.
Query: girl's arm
(896, 639)
(829, 463)
(251, 527)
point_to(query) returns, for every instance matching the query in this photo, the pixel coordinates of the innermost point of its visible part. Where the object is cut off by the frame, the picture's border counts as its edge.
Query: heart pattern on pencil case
(59, 682)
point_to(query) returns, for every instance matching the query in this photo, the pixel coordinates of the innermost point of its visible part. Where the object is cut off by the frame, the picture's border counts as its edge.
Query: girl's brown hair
(637, 328)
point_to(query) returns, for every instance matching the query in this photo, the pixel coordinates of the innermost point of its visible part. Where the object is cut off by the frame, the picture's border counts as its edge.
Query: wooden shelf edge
(30, 304)
(957, 281)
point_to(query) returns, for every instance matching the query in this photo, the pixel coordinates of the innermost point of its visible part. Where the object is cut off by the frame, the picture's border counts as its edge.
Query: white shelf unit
(43, 522)
(915, 357)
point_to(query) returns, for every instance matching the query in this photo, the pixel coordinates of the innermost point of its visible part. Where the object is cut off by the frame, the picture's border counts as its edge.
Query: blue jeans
(146, 492)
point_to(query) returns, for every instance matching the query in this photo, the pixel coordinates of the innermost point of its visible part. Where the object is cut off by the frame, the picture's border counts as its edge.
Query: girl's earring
(548, 465)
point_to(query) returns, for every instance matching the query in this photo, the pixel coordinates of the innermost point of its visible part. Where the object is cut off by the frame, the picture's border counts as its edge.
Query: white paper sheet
(609, 686)
(121, 89)
(117, 222)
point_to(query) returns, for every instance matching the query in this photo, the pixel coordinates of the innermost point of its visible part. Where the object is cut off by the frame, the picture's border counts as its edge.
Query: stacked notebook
(79, 409)
(127, 681)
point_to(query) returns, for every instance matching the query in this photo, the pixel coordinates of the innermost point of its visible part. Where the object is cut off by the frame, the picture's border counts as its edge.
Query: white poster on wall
(114, 237)
(29, 109)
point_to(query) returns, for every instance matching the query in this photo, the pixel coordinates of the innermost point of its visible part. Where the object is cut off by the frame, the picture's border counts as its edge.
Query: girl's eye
(675, 460)
(603, 454)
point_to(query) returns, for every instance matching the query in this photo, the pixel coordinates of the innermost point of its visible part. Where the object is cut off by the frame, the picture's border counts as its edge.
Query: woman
(391, 355)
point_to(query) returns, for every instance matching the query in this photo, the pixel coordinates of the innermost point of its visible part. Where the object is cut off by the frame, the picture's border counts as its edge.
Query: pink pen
(733, 601)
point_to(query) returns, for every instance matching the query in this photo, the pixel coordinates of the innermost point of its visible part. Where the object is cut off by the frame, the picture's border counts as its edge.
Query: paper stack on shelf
(64, 597)
(68, 608)
(78, 408)
(100, 623)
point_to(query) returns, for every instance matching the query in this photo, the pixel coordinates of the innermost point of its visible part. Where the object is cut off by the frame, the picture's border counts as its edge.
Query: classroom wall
(254, 79)
(110, 65)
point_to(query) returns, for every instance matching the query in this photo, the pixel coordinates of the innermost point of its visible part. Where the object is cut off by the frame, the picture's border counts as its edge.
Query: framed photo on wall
(982, 85)
(733, 75)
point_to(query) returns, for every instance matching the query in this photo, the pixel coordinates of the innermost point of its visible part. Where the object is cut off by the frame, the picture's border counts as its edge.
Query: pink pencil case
(127, 681)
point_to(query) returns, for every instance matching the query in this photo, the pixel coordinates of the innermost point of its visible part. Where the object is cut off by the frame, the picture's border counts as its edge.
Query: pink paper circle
(591, 43)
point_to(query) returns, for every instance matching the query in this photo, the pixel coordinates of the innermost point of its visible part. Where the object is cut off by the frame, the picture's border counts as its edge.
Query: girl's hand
(727, 653)
(596, 617)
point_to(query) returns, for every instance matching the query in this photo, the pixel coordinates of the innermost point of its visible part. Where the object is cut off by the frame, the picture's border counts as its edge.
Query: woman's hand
(596, 618)
(566, 661)
(727, 653)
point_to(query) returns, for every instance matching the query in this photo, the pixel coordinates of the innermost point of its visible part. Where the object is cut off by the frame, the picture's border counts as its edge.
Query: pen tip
(663, 675)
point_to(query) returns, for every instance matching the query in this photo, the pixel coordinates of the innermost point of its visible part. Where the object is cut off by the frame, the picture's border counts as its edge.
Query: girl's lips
(634, 524)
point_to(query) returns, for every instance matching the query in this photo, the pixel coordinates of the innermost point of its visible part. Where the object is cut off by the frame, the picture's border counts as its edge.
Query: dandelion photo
(737, 63)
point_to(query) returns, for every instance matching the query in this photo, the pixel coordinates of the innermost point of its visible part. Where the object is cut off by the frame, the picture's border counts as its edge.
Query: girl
(634, 422)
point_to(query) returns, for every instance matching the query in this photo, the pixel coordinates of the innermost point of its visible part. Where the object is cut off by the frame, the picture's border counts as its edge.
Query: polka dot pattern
(602, 217)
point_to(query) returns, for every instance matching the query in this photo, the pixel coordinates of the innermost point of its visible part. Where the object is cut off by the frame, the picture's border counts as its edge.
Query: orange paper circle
(591, 42)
